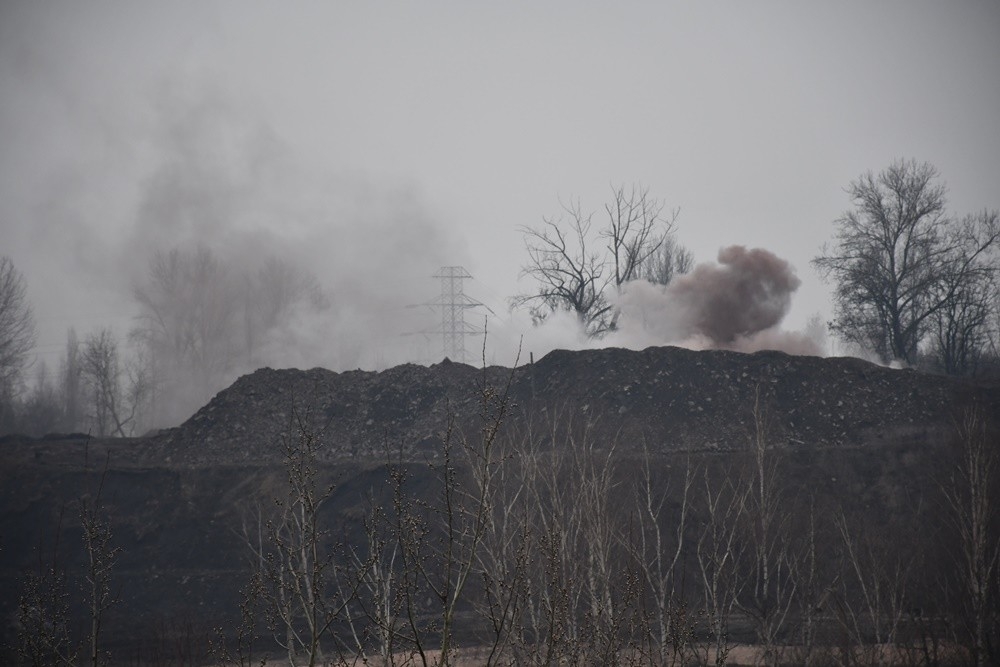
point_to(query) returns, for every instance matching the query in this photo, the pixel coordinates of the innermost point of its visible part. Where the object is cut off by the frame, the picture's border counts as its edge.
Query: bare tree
(187, 321)
(375, 628)
(570, 275)
(46, 626)
(769, 588)
(992, 327)
(899, 259)
(658, 549)
(17, 329)
(506, 554)
(608, 582)
(549, 628)
(582, 595)
(971, 500)
(101, 556)
(117, 390)
(70, 375)
(872, 599)
(815, 584)
(572, 270)
(302, 566)
(636, 229)
(102, 375)
(961, 327)
(201, 319)
(718, 551)
(671, 259)
(40, 410)
(441, 544)
(43, 620)
(43, 616)
(241, 652)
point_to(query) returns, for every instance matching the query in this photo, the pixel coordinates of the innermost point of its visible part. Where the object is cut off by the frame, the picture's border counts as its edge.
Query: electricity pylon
(453, 303)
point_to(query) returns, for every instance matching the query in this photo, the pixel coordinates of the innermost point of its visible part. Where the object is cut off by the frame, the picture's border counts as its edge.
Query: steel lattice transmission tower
(453, 303)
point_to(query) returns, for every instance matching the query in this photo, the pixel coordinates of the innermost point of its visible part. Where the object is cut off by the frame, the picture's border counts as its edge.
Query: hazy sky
(376, 141)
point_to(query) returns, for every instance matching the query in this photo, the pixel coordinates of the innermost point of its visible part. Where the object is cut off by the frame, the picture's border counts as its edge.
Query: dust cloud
(205, 210)
(747, 292)
(737, 303)
(213, 185)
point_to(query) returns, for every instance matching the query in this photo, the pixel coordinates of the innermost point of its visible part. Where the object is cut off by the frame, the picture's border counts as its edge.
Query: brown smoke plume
(735, 304)
(746, 292)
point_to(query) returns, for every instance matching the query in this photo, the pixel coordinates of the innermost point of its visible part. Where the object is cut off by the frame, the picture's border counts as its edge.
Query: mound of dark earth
(670, 398)
(178, 498)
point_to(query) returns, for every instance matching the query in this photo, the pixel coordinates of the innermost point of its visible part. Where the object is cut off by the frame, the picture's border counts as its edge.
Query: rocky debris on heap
(664, 398)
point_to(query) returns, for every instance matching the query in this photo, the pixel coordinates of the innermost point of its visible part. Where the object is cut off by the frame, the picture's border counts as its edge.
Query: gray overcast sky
(329, 128)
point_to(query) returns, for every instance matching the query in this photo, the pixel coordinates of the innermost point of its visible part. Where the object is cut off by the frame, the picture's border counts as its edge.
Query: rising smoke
(737, 303)
(210, 178)
(747, 292)
(225, 185)
(207, 178)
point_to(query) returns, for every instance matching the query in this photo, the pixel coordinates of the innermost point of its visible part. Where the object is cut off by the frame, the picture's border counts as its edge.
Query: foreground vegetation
(545, 544)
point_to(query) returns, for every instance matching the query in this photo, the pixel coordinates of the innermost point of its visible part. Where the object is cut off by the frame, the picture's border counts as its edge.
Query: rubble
(670, 398)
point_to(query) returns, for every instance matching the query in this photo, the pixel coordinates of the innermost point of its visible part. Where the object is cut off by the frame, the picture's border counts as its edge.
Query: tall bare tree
(637, 226)
(719, 550)
(441, 547)
(871, 601)
(101, 557)
(960, 329)
(70, 379)
(971, 495)
(116, 390)
(201, 320)
(17, 331)
(769, 558)
(41, 410)
(899, 259)
(302, 564)
(658, 548)
(186, 316)
(575, 265)
(816, 578)
(581, 601)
